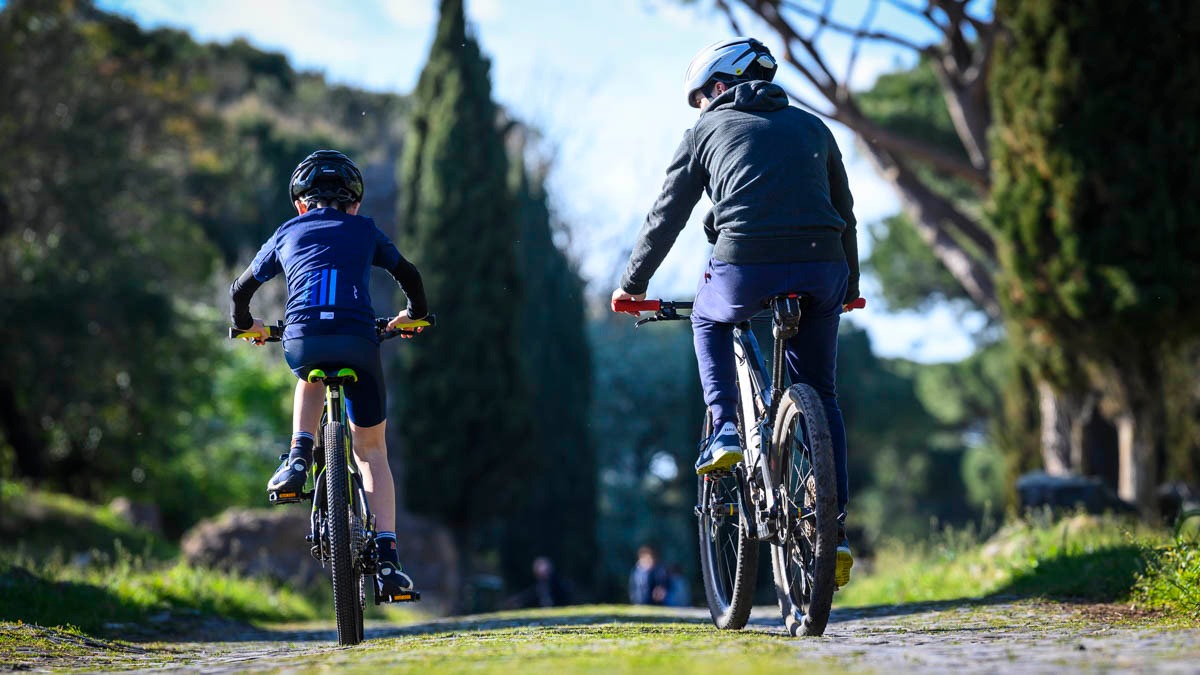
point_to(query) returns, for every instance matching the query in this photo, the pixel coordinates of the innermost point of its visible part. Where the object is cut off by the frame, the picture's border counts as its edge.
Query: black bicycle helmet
(327, 174)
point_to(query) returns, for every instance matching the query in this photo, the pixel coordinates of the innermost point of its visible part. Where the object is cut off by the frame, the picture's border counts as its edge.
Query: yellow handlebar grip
(412, 324)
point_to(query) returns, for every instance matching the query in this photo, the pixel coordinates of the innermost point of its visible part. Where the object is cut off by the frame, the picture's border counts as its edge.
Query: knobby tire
(804, 564)
(346, 584)
(729, 588)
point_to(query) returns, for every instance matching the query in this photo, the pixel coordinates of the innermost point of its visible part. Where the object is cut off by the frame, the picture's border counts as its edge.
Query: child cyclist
(781, 222)
(326, 253)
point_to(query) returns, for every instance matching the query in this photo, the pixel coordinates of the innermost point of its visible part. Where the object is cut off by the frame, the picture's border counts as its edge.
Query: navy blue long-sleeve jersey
(326, 256)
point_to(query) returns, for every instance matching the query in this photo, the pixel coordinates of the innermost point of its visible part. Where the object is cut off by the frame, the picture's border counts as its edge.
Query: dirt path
(1023, 636)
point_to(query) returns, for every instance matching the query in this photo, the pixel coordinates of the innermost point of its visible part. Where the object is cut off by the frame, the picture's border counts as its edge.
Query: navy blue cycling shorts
(366, 399)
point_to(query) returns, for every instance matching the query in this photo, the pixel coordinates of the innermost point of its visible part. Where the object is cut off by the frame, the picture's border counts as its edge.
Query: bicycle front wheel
(728, 557)
(802, 469)
(347, 580)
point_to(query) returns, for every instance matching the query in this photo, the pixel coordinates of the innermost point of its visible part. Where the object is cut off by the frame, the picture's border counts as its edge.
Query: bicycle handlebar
(648, 305)
(275, 331)
(409, 328)
(667, 310)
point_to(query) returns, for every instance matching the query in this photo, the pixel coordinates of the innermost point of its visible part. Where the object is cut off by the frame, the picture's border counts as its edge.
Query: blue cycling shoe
(723, 450)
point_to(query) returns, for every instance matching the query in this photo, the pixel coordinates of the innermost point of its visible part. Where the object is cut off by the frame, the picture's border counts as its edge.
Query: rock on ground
(270, 542)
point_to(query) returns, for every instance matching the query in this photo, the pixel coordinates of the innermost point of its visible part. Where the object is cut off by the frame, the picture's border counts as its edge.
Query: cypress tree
(559, 516)
(464, 407)
(1097, 130)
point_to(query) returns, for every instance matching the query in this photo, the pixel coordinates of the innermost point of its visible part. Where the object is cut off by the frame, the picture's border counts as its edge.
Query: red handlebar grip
(637, 306)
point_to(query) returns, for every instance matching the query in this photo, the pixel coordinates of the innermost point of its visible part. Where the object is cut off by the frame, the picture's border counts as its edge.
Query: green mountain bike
(342, 527)
(783, 494)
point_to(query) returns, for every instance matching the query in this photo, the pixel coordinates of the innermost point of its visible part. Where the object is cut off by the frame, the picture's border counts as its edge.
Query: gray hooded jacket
(776, 180)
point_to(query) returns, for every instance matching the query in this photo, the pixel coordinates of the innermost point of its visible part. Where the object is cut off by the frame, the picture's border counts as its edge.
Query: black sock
(387, 548)
(302, 447)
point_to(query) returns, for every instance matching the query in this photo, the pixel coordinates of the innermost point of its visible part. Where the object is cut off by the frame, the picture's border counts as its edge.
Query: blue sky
(601, 79)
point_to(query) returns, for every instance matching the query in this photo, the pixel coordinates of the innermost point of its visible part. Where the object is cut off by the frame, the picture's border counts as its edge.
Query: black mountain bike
(783, 494)
(342, 527)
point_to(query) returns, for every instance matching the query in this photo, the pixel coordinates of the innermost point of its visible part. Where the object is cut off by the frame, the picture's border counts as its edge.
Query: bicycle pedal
(277, 497)
(403, 596)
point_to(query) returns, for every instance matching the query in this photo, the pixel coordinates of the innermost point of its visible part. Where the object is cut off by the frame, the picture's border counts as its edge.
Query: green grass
(1083, 558)
(589, 639)
(67, 563)
(1172, 578)
(107, 596)
(40, 522)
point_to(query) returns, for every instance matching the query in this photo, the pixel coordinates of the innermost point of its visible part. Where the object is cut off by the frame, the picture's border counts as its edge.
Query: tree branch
(823, 19)
(962, 245)
(728, 11)
(933, 217)
(847, 112)
(769, 11)
(874, 133)
(868, 17)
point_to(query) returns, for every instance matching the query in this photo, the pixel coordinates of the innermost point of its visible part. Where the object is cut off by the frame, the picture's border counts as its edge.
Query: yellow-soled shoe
(723, 452)
(845, 560)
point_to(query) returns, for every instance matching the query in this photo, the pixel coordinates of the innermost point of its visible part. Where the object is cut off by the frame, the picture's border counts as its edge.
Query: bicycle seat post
(785, 314)
(785, 323)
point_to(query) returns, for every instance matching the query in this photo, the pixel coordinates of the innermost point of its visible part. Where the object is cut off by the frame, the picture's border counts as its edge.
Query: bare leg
(307, 406)
(370, 453)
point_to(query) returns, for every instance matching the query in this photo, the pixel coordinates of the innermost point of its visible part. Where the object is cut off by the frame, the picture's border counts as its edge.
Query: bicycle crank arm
(744, 509)
(726, 509)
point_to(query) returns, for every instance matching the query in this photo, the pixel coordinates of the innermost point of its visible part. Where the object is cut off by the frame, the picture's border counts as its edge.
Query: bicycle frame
(758, 401)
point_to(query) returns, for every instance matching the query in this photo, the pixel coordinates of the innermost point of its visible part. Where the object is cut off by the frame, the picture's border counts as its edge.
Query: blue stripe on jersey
(332, 299)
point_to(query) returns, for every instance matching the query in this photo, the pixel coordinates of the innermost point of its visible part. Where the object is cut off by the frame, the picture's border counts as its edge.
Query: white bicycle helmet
(728, 61)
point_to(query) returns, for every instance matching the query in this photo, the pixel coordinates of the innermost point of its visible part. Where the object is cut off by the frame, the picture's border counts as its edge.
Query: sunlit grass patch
(107, 594)
(1171, 580)
(38, 522)
(1079, 558)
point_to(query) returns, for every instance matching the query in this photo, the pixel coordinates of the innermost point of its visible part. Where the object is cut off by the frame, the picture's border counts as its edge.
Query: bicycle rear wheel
(728, 558)
(802, 468)
(347, 579)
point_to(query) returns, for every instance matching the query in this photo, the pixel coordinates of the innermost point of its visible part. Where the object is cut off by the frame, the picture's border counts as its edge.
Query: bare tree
(960, 241)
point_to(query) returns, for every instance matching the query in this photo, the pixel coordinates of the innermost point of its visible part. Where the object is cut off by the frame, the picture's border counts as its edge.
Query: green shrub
(1171, 580)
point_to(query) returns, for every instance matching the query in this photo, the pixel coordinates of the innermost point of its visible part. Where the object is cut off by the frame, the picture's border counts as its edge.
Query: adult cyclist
(781, 222)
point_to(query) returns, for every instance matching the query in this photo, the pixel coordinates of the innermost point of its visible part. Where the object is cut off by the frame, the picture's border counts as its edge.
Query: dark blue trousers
(730, 294)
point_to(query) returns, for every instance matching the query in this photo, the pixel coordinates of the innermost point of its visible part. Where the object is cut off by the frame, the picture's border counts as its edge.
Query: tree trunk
(1056, 430)
(1137, 437)
(1141, 430)
(1081, 421)
(1072, 428)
